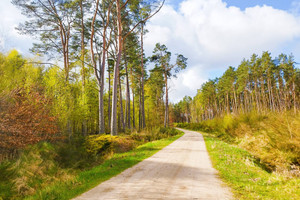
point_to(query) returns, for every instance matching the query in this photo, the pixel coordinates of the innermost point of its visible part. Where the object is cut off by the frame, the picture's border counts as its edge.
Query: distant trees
(181, 111)
(161, 56)
(261, 83)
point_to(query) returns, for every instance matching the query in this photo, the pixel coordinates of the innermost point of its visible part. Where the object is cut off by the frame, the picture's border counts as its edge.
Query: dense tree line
(91, 33)
(260, 83)
(95, 80)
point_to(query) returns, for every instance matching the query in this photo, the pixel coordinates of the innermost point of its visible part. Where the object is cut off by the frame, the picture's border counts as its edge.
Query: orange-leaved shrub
(26, 120)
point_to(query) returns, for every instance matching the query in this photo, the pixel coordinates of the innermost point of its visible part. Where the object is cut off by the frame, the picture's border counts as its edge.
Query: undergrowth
(273, 138)
(43, 165)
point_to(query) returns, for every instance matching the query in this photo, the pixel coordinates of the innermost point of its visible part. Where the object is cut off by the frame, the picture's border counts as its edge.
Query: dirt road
(182, 170)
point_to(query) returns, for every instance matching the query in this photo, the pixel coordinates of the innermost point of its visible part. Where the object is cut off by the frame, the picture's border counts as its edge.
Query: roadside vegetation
(66, 169)
(272, 138)
(257, 155)
(248, 177)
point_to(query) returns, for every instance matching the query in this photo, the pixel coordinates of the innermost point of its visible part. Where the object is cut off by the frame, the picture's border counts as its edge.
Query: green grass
(247, 176)
(86, 180)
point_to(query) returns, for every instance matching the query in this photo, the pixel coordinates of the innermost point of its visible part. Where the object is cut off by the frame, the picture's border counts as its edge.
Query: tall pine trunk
(127, 106)
(121, 106)
(294, 97)
(133, 110)
(84, 122)
(99, 75)
(142, 80)
(140, 108)
(109, 92)
(166, 121)
(114, 130)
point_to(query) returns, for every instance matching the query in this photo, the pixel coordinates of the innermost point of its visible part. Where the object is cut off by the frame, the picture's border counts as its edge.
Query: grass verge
(247, 176)
(90, 178)
(272, 137)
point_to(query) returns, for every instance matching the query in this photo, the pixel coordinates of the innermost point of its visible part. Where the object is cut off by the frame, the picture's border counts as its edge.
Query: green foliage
(162, 57)
(71, 105)
(17, 72)
(247, 176)
(154, 91)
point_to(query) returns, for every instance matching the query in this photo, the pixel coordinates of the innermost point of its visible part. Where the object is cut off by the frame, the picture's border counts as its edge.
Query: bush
(102, 145)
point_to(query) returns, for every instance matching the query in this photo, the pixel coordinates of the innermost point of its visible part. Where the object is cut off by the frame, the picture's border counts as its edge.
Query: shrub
(26, 122)
(100, 145)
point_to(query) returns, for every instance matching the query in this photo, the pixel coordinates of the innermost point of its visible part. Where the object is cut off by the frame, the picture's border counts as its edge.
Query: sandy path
(182, 170)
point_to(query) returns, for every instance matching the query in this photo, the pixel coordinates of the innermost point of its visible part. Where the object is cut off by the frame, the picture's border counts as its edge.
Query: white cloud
(214, 36)
(187, 83)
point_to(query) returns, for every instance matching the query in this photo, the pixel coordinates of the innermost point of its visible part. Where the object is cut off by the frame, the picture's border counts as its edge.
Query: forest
(88, 92)
(263, 84)
(100, 85)
(255, 106)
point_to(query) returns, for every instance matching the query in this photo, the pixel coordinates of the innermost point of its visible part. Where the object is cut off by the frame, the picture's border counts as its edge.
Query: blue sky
(212, 34)
(279, 4)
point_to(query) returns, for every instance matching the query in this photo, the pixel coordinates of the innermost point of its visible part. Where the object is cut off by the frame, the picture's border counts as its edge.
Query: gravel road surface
(181, 170)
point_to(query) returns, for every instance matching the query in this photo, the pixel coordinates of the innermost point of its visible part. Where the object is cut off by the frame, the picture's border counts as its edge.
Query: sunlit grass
(246, 176)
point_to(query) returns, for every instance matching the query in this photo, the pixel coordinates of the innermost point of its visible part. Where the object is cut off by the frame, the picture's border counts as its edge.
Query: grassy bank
(47, 172)
(249, 178)
(273, 138)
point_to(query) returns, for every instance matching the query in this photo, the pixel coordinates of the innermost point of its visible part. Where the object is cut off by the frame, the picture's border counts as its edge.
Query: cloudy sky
(212, 34)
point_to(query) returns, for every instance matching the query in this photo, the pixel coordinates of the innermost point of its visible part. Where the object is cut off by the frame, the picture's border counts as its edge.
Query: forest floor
(182, 170)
